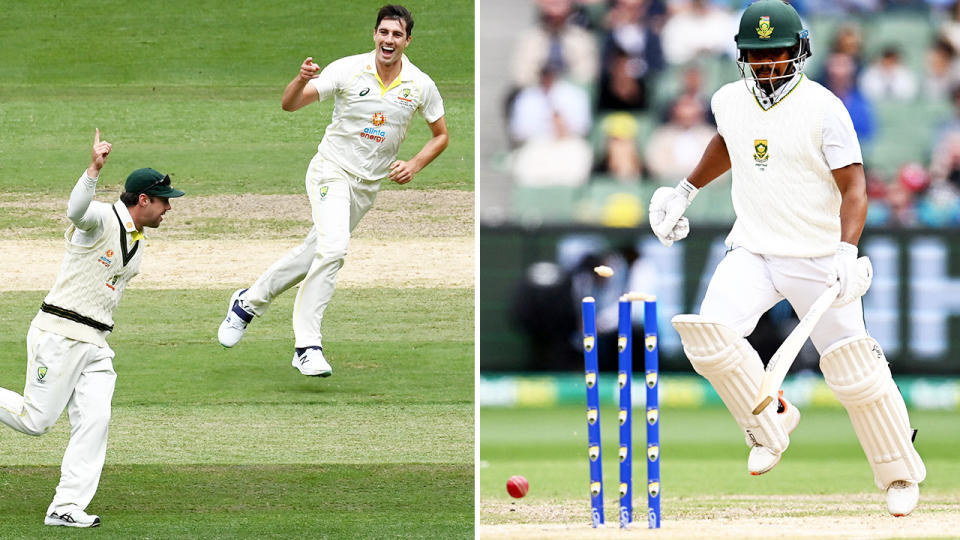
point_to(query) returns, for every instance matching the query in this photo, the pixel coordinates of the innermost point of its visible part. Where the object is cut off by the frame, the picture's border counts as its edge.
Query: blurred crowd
(618, 91)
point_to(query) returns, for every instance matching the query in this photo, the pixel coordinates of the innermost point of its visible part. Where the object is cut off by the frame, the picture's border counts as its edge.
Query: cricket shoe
(235, 324)
(310, 362)
(761, 458)
(902, 497)
(73, 518)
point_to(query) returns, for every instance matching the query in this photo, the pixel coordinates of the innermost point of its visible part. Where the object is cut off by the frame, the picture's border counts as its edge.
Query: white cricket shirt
(370, 121)
(785, 197)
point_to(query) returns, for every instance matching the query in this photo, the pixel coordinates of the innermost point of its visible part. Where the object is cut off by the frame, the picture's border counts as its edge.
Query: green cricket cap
(151, 182)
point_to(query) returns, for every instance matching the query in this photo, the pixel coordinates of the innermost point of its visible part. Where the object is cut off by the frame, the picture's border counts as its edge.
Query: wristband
(687, 190)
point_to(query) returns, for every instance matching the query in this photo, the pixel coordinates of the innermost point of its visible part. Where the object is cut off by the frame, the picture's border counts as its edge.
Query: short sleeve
(839, 140)
(431, 107)
(714, 106)
(329, 79)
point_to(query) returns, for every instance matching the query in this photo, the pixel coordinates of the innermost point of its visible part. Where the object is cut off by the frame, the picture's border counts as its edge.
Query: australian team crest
(764, 30)
(41, 373)
(760, 155)
(323, 192)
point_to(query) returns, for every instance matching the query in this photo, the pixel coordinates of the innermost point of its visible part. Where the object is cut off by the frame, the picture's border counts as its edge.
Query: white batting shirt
(370, 120)
(785, 197)
(103, 252)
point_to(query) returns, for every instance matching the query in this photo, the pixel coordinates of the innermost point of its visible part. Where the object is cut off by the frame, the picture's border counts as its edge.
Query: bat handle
(762, 405)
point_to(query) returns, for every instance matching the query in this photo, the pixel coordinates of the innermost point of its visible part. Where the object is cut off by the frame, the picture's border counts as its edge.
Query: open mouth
(387, 51)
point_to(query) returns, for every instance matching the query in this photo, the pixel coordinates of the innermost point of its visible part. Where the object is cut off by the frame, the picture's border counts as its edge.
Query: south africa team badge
(760, 155)
(764, 30)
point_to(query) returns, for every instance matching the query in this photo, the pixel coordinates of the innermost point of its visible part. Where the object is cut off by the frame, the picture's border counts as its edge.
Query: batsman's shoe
(310, 362)
(73, 518)
(235, 324)
(761, 458)
(902, 497)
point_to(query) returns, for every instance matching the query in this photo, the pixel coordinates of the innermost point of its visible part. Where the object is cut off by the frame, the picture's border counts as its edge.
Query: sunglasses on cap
(165, 181)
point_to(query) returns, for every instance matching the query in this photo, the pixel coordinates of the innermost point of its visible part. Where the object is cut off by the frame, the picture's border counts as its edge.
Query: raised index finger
(96, 138)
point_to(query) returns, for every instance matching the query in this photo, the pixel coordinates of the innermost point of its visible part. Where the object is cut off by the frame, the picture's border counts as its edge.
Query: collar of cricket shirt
(128, 221)
(371, 67)
(767, 102)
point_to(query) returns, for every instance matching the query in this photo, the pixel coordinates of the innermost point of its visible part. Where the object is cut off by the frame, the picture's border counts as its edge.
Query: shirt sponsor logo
(760, 155)
(372, 133)
(106, 259)
(112, 283)
(378, 135)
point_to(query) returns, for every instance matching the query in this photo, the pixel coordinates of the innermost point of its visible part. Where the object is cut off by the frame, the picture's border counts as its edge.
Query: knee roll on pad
(733, 367)
(857, 372)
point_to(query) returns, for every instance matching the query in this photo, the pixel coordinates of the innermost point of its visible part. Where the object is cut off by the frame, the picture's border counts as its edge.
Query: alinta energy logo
(107, 258)
(374, 133)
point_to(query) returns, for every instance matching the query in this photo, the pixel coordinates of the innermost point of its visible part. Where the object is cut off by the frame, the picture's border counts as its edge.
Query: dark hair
(400, 13)
(131, 199)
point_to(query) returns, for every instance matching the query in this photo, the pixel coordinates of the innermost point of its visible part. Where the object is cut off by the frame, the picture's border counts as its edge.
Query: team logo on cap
(41, 373)
(760, 155)
(378, 119)
(764, 30)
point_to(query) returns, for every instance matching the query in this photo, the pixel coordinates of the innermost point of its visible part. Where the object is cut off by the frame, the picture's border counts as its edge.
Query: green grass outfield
(207, 442)
(193, 88)
(703, 458)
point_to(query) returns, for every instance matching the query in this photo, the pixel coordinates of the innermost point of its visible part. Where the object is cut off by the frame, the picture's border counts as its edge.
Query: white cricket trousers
(338, 201)
(746, 285)
(65, 373)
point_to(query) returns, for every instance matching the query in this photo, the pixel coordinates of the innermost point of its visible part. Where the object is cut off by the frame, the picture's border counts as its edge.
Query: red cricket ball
(517, 486)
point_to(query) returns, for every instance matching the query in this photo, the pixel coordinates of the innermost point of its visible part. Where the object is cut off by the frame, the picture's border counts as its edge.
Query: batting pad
(735, 370)
(857, 372)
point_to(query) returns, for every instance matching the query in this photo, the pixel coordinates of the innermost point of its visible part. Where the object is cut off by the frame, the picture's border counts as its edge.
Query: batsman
(799, 194)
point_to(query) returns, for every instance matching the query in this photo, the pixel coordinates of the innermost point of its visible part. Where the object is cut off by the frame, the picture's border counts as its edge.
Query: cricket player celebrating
(69, 364)
(800, 200)
(375, 97)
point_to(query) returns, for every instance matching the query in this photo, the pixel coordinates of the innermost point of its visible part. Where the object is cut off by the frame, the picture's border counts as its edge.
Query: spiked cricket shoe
(73, 518)
(902, 497)
(311, 362)
(235, 324)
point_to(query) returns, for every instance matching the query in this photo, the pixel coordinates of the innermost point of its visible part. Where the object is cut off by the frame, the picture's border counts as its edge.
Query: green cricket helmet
(771, 24)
